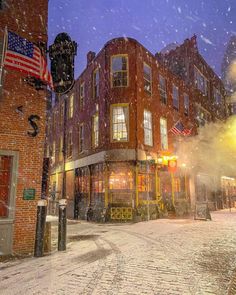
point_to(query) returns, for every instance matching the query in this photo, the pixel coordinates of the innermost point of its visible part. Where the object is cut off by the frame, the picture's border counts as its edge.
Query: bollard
(62, 225)
(40, 227)
(47, 237)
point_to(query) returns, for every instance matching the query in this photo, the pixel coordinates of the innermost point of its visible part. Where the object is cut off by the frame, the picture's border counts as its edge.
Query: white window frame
(201, 81)
(147, 81)
(163, 90)
(119, 127)
(96, 79)
(81, 95)
(147, 128)
(186, 105)
(71, 106)
(81, 138)
(95, 131)
(120, 72)
(174, 87)
(163, 133)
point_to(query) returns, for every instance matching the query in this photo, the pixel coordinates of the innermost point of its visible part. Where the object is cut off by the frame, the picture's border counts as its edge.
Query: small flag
(179, 128)
(22, 55)
(187, 132)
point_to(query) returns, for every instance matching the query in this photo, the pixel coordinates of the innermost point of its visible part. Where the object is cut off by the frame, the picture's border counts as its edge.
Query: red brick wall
(14, 126)
(134, 94)
(187, 55)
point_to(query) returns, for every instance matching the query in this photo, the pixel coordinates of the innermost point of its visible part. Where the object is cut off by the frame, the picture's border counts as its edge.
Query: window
(186, 104)
(120, 123)
(96, 83)
(200, 81)
(147, 125)
(147, 75)
(119, 71)
(175, 93)
(5, 183)
(71, 106)
(202, 115)
(217, 95)
(81, 138)
(95, 130)
(164, 138)
(61, 148)
(162, 89)
(82, 95)
(69, 144)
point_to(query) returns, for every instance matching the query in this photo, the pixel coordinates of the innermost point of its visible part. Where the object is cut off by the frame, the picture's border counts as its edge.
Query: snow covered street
(175, 256)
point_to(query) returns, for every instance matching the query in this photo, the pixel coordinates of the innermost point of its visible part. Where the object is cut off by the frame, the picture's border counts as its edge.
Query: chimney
(90, 56)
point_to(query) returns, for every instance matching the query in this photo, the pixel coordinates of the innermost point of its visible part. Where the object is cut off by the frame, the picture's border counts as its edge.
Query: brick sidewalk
(156, 257)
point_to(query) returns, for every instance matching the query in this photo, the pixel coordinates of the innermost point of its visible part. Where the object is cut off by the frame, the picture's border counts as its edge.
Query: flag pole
(3, 54)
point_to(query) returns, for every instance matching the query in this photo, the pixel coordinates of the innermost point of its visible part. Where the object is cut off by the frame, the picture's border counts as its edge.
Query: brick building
(21, 155)
(118, 143)
(209, 104)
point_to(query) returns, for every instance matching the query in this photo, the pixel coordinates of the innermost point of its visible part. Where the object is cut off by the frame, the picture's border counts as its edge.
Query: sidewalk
(161, 257)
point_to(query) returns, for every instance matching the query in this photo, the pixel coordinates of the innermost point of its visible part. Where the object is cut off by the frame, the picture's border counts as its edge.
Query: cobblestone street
(162, 256)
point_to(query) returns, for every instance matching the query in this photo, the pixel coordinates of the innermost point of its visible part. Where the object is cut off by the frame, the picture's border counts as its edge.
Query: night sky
(154, 23)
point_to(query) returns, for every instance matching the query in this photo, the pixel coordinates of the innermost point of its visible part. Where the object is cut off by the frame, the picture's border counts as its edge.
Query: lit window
(82, 95)
(175, 93)
(95, 130)
(96, 83)
(147, 75)
(69, 144)
(147, 125)
(162, 89)
(186, 104)
(119, 71)
(120, 123)
(163, 130)
(81, 138)
(71, 106)
(200, 81)
(217, 95)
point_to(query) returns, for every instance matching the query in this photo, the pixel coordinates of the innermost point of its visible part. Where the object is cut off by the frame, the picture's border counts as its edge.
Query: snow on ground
(177, 256)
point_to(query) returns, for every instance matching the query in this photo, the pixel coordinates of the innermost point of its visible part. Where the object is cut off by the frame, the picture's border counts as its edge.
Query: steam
(212, 151)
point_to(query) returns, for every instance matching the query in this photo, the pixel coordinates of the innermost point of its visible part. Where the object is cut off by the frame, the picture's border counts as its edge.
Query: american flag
(179, 129)
(22, 55)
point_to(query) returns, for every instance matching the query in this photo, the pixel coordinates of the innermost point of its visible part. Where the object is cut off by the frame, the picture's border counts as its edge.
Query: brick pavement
(162, 257)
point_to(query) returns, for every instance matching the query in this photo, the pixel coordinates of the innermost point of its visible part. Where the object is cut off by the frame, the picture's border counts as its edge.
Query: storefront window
(98, 179)
(121, 178)
(146, 182)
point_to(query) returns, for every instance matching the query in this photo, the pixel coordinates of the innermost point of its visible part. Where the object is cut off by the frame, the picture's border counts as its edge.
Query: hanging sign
(62, 53)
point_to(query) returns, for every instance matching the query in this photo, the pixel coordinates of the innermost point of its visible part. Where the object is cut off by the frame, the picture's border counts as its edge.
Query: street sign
(29, 194)
(202, 211)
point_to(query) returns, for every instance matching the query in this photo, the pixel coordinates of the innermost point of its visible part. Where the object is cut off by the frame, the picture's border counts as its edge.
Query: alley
(175, 256)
